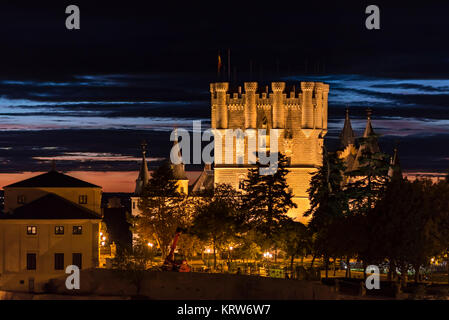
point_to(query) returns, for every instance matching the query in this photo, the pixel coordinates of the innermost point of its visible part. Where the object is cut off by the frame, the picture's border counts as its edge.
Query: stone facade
(298, 119)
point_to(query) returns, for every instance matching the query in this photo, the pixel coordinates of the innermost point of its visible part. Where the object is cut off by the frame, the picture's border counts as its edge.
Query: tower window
(242, 182)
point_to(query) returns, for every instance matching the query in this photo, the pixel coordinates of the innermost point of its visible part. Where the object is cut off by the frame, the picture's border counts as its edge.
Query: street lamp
(208, 256)
(150, 245)
(267, 255)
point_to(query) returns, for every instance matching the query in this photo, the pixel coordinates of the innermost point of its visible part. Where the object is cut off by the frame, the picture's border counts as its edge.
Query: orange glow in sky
(111, 181)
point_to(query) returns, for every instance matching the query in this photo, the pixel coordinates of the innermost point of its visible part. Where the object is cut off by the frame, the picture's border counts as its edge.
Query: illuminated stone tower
(299, 119)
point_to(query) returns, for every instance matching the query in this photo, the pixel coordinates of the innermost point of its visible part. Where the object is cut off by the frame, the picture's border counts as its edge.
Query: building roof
(52, 179)
(51, 206)
(395, 170)
(369, 143)
(206, 179)
(144, 175)
(347, 135)
(178, 167)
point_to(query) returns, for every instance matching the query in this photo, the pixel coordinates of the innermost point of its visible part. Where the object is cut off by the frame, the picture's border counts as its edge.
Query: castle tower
(395, 171)
(178, 168)
(347, 139)
(347, 136)
(299, 120)
(144, 175)
(369, 140)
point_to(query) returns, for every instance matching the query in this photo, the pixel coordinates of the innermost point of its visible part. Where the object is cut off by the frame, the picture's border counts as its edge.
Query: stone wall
(194, 286)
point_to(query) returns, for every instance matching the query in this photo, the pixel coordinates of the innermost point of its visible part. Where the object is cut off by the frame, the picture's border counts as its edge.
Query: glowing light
(267, 255)
(230, 248)
(208, 250)
(150, 244)
(103, 238)
(102, 243)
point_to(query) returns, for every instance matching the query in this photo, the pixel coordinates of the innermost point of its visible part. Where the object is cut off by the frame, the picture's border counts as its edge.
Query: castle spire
(368, 142)
(395, 171)
(347, 135)
(369, 135)
(369, 128)
(178, 168)
(144, 175)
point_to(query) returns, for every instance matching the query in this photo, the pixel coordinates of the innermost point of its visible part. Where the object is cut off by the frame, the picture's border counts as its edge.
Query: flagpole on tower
(229, 65)
(219, 65)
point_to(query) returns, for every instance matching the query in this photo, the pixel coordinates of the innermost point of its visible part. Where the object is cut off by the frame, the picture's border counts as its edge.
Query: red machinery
(170, 264)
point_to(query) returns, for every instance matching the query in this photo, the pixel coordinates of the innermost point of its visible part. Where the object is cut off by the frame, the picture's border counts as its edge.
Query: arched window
(241, 182)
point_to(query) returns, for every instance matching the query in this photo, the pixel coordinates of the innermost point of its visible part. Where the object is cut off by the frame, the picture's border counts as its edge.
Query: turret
(278, 106)
(178, 168)
(395, 171)
(307, 107)
(325, 93)
(369, 141)
(318, 111)
(144, 175)
(250, 105)
(347, 135)
(221, 89)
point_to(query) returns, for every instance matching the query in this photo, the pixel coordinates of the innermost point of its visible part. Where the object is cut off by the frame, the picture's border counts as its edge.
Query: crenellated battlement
(302, 109)
(296, 114)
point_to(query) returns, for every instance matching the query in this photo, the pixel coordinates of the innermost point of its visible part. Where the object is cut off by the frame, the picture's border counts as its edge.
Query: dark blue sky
(135, 70)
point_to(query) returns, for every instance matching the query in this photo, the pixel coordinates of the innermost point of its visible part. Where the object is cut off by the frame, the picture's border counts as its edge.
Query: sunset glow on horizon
(110, 181)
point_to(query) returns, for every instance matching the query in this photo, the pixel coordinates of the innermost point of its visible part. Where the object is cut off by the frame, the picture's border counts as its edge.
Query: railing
(263, 270)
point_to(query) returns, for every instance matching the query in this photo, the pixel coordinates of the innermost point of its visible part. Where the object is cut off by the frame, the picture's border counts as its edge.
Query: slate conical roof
(370, 142)
(178, 165)
(395, 170)
(369, 134)
(347, 135)
(144, 175)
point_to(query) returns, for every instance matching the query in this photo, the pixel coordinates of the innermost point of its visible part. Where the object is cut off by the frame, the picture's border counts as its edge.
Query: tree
(249, 247)
(403, 226)
(369, 180)
(367, 184)
(295, 240)
(440, 207)
(328, 204)
(267, 198)
(217, 218)
(163, 209)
